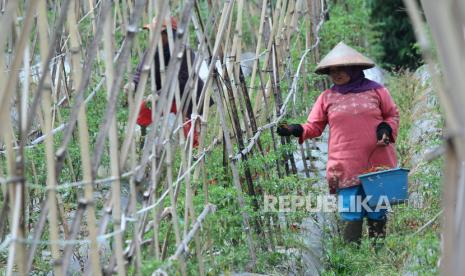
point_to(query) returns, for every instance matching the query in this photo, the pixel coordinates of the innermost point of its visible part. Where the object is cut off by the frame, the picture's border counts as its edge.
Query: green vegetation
(390, 19)
(349, 21)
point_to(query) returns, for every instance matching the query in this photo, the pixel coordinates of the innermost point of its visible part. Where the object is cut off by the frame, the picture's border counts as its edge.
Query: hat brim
(148, 27)
(325, 70)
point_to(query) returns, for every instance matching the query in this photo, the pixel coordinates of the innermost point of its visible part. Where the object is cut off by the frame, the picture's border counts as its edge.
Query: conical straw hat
(343, 55)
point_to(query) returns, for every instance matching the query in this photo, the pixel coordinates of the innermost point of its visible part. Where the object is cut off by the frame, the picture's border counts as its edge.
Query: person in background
(363, 123)
(145, 115)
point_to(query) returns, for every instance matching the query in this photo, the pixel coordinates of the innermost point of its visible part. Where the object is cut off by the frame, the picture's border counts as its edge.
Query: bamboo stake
(14, 186)
(61, 76)
(169, 149)
(19, 215)
(278, 102)
(280, 31)
(13, 196)
(124, 10)
(13, 79)
(305, 148)
(237, 185)
(277, 62)
(227, 43)
(51, 176)
(187, 159)
(6, 21)
(132, 183)
(230, 87)
(293, 24)
(38, 227)
(75, 227)
(15, 248)
(114, 161)
(174, 215)
(449, 35)
(206, 108)
(43, 29)
(155, 185)
(183, 247)
(46, 65)
(233, 68)
(116, 85)
(240, 141)
(79, 97)
(268, 118)
(274, 29)
(199, 28)
(222, 25)
(92, 16)
(259, 42)
(212, 67)
(147, 63)
(314, 16)
(4, 211)
(84, 144)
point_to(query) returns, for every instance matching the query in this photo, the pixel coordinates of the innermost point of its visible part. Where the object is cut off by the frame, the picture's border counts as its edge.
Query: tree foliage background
(397, 37)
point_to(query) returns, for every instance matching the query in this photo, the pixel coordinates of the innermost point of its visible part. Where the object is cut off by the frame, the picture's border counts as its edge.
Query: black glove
(384, 128)
(288, 130)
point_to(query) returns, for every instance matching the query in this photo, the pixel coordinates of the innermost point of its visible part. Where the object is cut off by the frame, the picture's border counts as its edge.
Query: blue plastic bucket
(390, 183)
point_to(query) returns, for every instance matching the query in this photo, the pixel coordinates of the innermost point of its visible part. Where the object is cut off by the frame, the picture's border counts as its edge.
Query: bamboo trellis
(87, 36)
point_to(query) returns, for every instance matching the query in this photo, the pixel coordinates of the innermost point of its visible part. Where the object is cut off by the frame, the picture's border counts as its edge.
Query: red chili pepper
(375, 169)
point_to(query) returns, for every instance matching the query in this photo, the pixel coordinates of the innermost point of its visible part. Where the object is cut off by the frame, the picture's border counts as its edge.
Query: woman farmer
(145, 115)
(363, 122)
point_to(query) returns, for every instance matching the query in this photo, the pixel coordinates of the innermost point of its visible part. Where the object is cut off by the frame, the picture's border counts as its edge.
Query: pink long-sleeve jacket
(353, 119)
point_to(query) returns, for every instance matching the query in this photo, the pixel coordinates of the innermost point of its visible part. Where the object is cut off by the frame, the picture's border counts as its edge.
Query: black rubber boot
(353, 231)
(376, 228)
(377, 233)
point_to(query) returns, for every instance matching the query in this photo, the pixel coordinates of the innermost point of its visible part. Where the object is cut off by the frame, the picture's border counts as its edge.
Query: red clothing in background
(144, 119)
(187, 128)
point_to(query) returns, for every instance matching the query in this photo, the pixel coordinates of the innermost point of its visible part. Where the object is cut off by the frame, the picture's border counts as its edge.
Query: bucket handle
(369, 164)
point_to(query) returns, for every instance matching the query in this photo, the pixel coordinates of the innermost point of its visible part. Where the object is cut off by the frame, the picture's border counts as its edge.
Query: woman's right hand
(383, 132)
(288, 130)
(384, 141)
